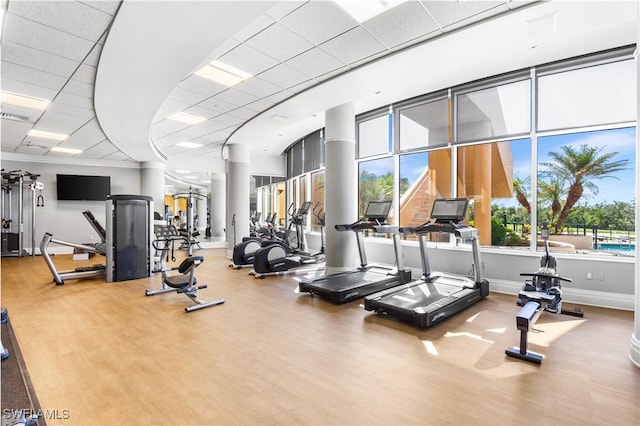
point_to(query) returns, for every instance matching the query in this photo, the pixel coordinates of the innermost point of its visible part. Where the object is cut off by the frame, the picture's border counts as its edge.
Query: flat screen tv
(83, 188)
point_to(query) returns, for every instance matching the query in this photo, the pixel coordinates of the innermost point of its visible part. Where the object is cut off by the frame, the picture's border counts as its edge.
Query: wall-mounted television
(83, 188)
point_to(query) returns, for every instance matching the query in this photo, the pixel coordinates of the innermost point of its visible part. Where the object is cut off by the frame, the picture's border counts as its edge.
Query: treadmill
(346, 286)
(437, 295)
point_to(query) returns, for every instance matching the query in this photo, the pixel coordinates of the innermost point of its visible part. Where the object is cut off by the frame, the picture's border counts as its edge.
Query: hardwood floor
(111, 356)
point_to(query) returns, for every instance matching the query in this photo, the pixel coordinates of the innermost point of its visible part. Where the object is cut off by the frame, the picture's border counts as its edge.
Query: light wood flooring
(109, 355)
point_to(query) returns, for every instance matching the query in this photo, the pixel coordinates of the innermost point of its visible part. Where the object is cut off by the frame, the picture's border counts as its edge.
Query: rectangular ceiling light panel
(222, 73)
(24, 101)
(186, 118)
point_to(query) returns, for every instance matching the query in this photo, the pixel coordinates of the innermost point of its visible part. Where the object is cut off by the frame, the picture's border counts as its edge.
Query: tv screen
(83, 188)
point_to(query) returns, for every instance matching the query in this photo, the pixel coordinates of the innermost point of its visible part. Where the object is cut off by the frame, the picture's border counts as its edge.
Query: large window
(553, 145)
(588, 96)
(492, 112)
(585, 189)
(374, 136)
(317, 196)
(424, 125)
(375, 182)
(424, 176)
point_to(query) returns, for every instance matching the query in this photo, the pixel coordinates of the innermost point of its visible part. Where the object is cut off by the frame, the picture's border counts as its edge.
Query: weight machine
(190, 232)
(15, 182)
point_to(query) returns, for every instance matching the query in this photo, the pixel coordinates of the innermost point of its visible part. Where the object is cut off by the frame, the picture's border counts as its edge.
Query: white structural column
(634, 351)
(201, 211)
(152, 182)
(218, 207)
(237, 195)
(340, 187)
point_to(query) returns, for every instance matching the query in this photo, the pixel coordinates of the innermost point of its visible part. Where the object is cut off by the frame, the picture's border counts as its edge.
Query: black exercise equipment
(91, 271)
(278, 258)
(244, 252)
(437, 295)
(346, 286)
(540, 293)
(186, 283)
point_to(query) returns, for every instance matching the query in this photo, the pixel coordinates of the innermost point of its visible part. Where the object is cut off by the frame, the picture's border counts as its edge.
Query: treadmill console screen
(449, 209)
(378, 210)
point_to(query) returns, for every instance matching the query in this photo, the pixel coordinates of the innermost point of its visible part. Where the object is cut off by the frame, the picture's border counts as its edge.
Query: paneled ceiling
(293, 50)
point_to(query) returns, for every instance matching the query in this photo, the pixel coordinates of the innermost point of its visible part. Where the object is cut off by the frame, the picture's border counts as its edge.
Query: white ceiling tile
(279, 97)
(282, 9)
(170, 107)
(69, 16)
(220, 50)
(319, 21)
(117, 156)
(330, 74)
(243, 113)
(201, 85)
(27, 89)
(402, 23)
(216, 105)
(235, 97)
(254, 27)
(315, 62)
(52, 115)
(166, 127)
(86, 74)
(33, 150)
(74, 100)
(36, 59)
(191, 132)
(270, 42)
(81, 113)
(28, 75)
(94, 56)
(53, 123)
(42, 37)
(183, 95)
(257, 87)
(88, 135)
(110, 7)
(99, 150)
(447, 13)
(38, 142)
(260, 105)
(213, 126)
(79, 88)
(200, 112)
(248, 59)
(353, 46)
(13, 132)
(284, 76)
(227, 119)
(20, 113)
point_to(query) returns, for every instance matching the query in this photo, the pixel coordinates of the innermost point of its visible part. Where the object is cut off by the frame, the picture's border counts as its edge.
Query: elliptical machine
(540, 293)
(277, 258)
(244, 252)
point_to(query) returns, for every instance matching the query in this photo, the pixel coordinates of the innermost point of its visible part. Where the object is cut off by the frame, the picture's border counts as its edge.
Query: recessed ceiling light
(189, 144)
(366, 9)
(222, 73)
(186, 118)
(183, 171)
(66, 150)
(191, 177)
(205, 181)
(47, 135)
(24, 101)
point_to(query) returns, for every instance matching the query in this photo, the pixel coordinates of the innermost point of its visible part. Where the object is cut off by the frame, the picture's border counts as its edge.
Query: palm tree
(520, 188)
(552, 190)
(579, 168)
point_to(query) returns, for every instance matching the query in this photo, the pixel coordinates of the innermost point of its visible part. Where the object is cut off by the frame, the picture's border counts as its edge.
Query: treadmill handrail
(544, 275)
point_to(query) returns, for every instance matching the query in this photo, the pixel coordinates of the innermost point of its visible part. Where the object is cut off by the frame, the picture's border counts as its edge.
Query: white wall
(64, 219)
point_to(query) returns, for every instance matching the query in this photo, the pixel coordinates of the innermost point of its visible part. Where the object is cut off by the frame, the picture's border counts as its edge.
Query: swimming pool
(616, 247)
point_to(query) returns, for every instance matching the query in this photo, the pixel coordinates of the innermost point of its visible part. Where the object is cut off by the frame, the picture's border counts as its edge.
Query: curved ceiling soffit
(428, 67)
(150, 48)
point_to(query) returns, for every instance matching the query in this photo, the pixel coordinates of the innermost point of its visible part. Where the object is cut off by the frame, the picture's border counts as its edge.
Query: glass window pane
(296, 159)
(374, 136)
(317, 195)
(425, 125)
(424, 176)
(586, 187)
(495, 177)
(375, 182)
(494, 112)
(313, 151)
(595, 95)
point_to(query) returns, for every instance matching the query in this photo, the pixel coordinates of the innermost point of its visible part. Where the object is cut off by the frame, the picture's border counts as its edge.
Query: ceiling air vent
(15, 117)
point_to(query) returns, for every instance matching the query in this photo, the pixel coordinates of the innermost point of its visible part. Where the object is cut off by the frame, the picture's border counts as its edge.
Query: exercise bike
(276, 258)
(542, 292)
